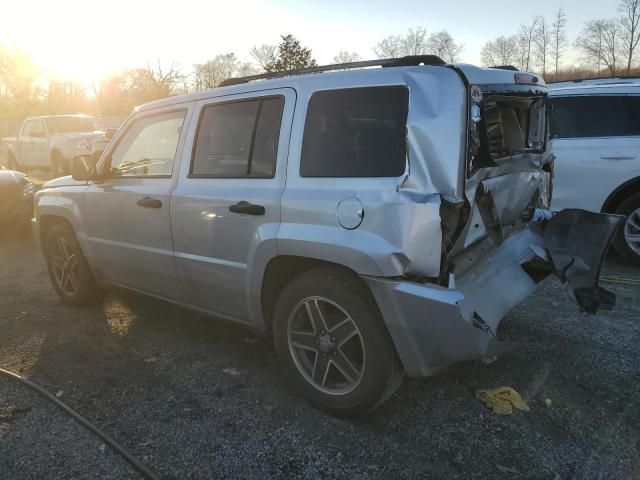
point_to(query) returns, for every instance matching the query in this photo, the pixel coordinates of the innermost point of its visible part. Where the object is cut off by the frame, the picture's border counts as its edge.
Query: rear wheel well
(620, 194)
(280, 271)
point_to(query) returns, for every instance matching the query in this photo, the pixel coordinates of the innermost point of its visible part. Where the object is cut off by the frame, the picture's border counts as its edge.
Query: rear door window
(594, 116)
(238, 139)
(357, 132)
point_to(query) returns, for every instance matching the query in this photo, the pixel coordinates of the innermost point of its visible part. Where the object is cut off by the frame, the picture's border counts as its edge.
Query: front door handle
(247, 208)
(148, 202)
(617, 156)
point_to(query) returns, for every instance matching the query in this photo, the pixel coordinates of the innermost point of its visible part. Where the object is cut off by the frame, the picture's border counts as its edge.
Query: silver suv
(375, 222)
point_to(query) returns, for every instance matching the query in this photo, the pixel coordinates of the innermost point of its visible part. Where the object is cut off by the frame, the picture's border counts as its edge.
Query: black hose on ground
(137, 464)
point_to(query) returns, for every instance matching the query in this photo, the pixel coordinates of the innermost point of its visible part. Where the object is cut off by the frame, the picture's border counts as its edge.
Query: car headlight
(28, 190)
(77, 143)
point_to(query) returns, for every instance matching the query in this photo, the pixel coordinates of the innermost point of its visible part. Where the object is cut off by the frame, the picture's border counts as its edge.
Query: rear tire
(68, 269)
(330, 336)
(627, 238)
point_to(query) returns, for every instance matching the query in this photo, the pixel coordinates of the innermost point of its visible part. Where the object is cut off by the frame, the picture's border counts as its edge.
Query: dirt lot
(158, 380)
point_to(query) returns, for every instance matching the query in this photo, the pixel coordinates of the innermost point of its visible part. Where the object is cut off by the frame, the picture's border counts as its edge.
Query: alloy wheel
(326, 345)
(632, 231)
(64, 263)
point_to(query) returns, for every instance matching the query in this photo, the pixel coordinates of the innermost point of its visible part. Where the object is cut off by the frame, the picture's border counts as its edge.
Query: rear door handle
(617, 156)
(148, 202)
(247, 208)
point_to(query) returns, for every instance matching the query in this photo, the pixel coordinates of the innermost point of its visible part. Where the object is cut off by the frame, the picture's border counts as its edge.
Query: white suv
(595, 135)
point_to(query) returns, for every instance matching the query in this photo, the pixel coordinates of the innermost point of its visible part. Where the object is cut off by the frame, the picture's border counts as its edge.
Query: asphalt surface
(197, 398)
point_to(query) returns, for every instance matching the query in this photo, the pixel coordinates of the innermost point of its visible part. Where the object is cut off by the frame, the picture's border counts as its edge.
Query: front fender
(65, 205)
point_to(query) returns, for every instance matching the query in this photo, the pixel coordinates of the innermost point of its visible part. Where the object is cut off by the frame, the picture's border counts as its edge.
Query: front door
(128, 224)
(225, 212)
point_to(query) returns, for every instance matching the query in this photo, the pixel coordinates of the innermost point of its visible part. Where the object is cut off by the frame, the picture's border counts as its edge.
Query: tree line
(603, 47)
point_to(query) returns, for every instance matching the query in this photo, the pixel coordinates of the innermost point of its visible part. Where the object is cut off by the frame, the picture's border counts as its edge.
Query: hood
(67, 181)
(11, 177)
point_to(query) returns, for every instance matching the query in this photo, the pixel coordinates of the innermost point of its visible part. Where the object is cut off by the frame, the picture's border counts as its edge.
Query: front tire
(627, 239)
(330, 336)
(68, 269)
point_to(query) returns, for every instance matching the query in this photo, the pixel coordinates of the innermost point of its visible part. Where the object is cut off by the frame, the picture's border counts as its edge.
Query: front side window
(149, 146)
(238, 139)
(357, 132)
(594, 116)
(28, 128)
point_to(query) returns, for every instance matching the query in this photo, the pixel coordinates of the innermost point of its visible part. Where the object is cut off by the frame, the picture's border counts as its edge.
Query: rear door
(127, 214)
(225, 211)
(596, 140)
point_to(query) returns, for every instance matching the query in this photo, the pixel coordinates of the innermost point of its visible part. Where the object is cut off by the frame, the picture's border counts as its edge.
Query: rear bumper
(434, 326)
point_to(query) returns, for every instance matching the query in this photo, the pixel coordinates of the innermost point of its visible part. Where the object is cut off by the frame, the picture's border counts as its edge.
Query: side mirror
(110, 133)
(83, 168)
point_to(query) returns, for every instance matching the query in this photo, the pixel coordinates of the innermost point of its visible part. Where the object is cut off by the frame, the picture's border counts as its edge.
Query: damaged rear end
(498, 238)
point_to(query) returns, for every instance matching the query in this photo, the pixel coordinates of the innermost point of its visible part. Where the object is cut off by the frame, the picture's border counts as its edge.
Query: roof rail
(595, 79)
(386, 62)
(505, 67)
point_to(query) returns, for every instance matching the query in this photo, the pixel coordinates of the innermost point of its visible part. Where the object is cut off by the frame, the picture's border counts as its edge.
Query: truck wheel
(58, 168)
(69, 271)
(330, 337)
(627, 239)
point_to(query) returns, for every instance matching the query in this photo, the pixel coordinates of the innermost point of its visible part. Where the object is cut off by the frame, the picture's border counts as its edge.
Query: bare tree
(215, 71)
(500, 51)
(346, 57)
(264, 54)
(542, 42)
(599, 44)
(630, 26)
(558, 37)
(443, 44)
(525, 43)
(212, 73)
(394, 46)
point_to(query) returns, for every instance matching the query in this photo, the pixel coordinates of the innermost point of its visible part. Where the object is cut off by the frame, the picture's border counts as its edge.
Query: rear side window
(238, 139)
(358, 132)
(594, 116)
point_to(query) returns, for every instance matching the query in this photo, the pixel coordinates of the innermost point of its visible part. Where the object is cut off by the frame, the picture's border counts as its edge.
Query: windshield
(71, 124)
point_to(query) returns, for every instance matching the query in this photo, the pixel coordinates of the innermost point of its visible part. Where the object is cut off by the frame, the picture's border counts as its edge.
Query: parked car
(375, 222)
(16, 198)
(595, 135)
(51, 142)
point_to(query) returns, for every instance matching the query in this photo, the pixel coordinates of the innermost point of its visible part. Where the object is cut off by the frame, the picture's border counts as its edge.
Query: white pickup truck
(50, 142)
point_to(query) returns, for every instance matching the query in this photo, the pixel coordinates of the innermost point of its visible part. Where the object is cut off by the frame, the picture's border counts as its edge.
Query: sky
(86, 40)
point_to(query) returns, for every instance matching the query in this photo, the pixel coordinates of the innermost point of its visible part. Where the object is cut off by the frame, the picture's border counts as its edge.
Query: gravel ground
(196, 398)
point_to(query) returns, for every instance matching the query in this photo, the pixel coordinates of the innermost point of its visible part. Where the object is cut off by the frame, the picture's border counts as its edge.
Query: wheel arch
(281, 270)
(620, 194)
